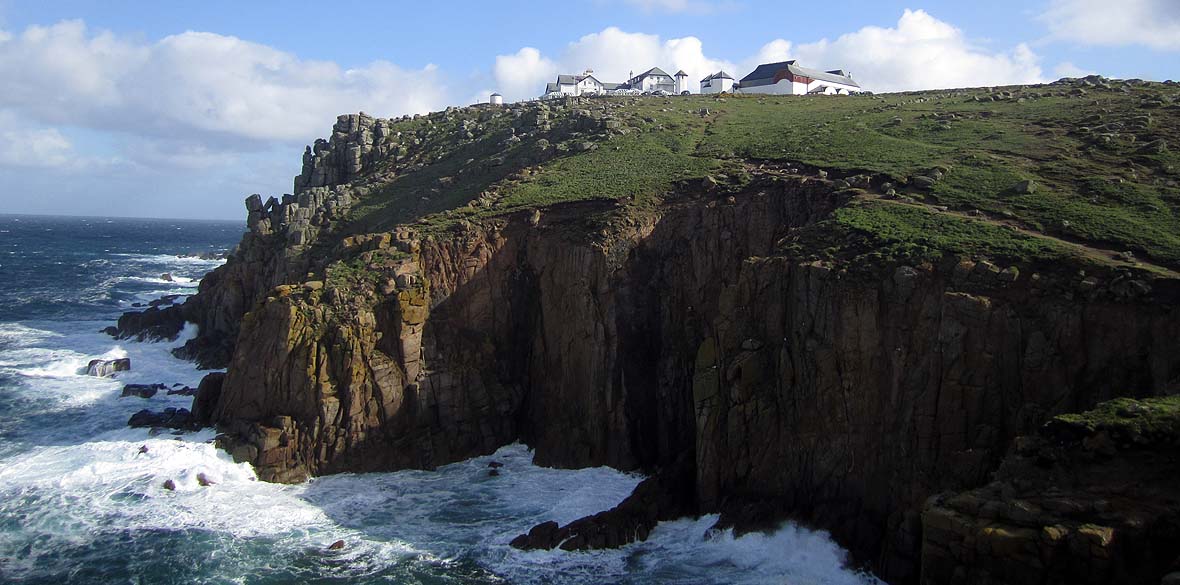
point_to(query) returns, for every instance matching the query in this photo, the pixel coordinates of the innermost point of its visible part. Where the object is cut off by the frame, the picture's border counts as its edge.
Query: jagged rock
(155, 323)
(107, 368)
(170, 485)
(338, 545)
(665, 496)
(142, 390)
(1090, 498)
(207, 396)
(204, 481)
(170, 418)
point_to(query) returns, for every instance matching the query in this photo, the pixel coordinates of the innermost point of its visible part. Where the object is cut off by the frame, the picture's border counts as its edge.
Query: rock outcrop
(1088, 499)
(107, 368)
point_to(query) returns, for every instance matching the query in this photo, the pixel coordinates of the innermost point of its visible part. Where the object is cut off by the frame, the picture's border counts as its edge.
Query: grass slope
(1091, 162)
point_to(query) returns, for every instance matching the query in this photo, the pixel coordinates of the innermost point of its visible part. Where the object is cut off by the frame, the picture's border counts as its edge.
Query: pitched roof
(719, 75)
(681, 73)
(765, 74)
(652, 72)
(551, 88)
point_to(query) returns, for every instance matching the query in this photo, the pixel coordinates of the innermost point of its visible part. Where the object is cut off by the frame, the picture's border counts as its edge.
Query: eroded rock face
(1073, 503)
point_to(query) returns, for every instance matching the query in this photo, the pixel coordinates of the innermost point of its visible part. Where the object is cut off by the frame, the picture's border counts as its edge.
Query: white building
(496, 99)
(788, 78)
(584, 84)
(654, 79)
(720, 82)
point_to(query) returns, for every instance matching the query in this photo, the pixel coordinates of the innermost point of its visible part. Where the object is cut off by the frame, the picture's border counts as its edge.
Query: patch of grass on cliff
(905, 232)
(1127, 417)
(638, 167)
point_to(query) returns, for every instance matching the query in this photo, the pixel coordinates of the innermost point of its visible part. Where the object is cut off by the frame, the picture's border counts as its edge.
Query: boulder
(1025, 187)
(923, 182)
(169, 418)
(142, 390)
(107, 368)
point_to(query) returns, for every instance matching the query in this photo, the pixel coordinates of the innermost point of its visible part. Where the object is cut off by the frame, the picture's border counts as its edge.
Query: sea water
(82, 497)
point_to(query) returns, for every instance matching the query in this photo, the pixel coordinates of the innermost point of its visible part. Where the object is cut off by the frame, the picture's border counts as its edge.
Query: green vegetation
(362, 269)
(1093, 164)
(1125, 419)
(915, 234)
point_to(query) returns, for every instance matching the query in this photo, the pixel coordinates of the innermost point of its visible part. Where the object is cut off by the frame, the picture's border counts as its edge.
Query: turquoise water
(79, 502)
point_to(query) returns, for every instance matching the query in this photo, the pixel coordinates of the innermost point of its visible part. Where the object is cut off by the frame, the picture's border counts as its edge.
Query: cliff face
(844, 399)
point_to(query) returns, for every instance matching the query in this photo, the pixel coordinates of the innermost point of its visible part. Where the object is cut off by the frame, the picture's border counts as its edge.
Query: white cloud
(24, 144)
(518, 74)
(921, 52)
(204, 88)
(41, 147)
(1154, 23)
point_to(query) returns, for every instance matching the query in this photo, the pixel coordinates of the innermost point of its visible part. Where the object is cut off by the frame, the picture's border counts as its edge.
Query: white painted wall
(717, 86)
(784, 87)
(588, 86)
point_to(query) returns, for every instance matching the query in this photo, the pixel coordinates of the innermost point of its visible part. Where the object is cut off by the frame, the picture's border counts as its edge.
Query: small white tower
(681, 82)
(496, 99)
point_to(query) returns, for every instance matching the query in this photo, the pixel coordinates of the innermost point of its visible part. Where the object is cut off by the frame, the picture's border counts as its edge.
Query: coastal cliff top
(1081, 167)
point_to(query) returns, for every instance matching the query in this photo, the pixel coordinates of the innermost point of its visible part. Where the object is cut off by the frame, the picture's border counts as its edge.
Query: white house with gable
(656, 79)
(584, 84)
(789, 78)
(720, 82)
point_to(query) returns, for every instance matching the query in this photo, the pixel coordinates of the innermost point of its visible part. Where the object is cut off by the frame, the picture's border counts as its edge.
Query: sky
(182, 109)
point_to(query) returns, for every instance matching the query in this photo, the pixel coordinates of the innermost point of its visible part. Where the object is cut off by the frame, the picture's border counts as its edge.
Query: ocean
(80, 502)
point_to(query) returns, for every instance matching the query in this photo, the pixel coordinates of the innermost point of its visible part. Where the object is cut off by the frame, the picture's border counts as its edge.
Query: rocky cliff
(1090, 498)
(651, 284)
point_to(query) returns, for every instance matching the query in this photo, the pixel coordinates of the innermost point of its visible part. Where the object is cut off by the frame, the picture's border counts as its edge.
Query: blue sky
(126, 108)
